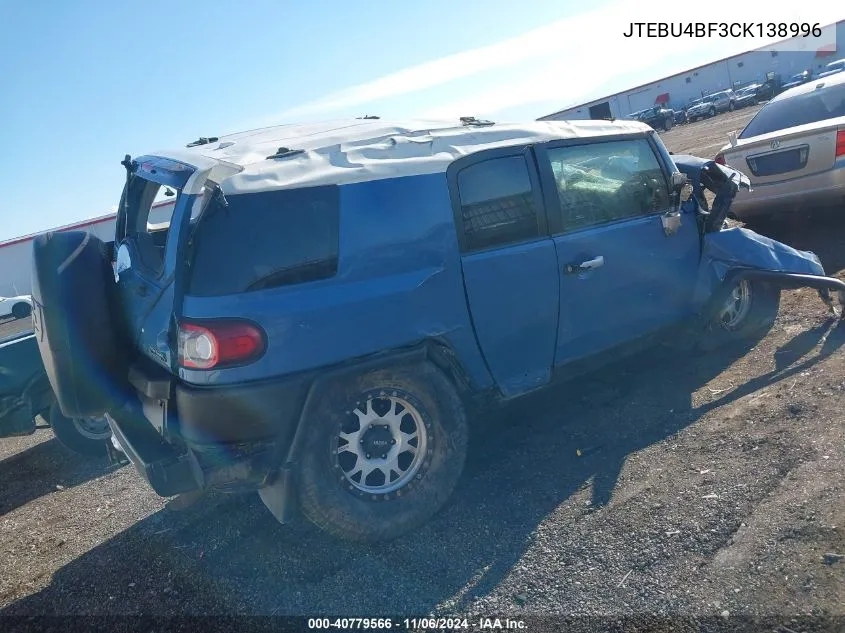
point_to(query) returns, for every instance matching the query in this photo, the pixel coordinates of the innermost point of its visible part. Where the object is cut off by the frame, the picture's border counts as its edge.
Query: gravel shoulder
(666, 485)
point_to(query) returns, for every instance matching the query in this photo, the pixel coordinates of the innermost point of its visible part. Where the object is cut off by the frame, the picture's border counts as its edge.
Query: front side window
(604, 182)
(498, 205)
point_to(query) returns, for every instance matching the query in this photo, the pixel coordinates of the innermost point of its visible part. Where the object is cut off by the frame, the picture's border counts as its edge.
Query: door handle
(589, 264)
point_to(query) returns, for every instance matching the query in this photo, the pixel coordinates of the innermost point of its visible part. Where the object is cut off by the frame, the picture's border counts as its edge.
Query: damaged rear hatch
(162, 199)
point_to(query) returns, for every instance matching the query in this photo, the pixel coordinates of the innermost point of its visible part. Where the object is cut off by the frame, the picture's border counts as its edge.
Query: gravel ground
(667, 486)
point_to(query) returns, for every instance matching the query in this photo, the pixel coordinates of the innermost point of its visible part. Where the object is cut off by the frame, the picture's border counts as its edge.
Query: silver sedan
(793, 150)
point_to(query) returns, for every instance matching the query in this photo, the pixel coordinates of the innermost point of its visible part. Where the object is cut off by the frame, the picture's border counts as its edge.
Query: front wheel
(711, 112)
(746, 315)
(382, 454)
(667, 124)
(86, 436)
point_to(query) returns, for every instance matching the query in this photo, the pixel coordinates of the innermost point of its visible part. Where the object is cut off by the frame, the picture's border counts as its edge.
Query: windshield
(811, 107)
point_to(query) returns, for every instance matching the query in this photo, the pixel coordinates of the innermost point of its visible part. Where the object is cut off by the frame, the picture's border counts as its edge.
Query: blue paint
(645, 283)
(742, 248)
(398, 283)
(513, 295)
(510, 315)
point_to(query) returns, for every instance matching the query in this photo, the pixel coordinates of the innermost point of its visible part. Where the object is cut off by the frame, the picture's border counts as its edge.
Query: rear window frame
(319, 269)
(794, 101)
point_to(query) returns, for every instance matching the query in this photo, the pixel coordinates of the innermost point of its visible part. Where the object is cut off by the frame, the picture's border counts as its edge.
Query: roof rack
(284, 152)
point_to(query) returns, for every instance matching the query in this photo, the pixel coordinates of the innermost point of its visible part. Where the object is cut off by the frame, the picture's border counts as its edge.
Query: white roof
(357, 150)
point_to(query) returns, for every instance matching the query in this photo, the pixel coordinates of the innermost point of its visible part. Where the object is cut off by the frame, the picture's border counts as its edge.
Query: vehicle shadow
(37, 471)
(226, 554)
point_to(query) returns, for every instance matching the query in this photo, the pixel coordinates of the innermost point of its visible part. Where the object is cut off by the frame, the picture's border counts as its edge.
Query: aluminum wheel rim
(737, 306)
(369, 472)
(92, 428)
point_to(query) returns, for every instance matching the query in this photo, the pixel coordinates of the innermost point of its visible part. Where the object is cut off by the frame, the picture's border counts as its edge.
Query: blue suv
(312, 311)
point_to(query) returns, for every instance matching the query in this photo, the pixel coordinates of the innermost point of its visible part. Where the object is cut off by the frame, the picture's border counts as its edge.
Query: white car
(19, 307)
(793, 150)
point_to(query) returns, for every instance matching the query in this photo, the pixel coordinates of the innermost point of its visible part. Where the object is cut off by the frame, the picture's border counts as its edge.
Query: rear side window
(827, 103)
(498, 205)
(265, 240)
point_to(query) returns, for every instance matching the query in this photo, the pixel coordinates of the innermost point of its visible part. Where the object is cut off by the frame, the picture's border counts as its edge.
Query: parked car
(18, 307)
(25, 394)
(330, 301)
(832, 68)
(794, 150)
(797, 80)
(711, 105)
(746, 96)
(657, 117)
(768, 89)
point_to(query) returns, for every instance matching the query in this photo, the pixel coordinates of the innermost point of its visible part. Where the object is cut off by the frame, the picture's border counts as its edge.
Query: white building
(16, 254)
(749, 67)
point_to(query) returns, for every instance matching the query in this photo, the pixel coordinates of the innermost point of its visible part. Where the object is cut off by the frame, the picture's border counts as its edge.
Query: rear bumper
(799, 193)
(182, 438)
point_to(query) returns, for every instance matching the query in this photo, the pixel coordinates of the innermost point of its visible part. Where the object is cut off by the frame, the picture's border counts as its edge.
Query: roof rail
(203, 140)
(284, 152)
(472, 121)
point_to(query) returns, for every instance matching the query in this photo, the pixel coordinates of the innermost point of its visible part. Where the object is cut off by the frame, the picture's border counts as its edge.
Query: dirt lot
(706, 489)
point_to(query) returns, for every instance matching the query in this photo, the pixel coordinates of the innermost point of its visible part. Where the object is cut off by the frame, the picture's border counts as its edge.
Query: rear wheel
(711, 112)
(87, 436)
(382, 454)
(21, 310)
(746, 315)
(667, 124)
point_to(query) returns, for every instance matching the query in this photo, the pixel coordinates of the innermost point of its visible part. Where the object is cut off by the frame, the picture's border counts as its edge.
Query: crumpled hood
(745, 248)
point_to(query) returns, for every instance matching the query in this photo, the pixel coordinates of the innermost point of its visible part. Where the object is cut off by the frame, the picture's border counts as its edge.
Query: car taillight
(720, 158)
(213, 345)
(840, 143)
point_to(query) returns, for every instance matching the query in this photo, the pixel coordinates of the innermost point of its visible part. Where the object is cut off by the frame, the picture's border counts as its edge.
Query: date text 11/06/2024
(723, 29)
(436, 624)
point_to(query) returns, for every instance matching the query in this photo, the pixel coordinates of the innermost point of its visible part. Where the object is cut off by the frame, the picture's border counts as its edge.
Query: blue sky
(86, 82)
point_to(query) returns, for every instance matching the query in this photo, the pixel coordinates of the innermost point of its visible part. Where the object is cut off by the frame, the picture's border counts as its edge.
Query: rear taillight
(212, 345)
(840, 143)
(720, 158)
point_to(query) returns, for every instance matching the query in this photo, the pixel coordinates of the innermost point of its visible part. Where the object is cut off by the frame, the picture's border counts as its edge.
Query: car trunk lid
(786, 154)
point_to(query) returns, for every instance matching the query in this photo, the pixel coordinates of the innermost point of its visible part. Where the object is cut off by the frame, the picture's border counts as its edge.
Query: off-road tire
(21, 310)
(765, 301)
(66, 432)
(331, 502)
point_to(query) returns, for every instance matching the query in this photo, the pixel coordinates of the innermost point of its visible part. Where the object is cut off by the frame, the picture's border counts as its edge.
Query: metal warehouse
(16, 254)
(732, 72)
